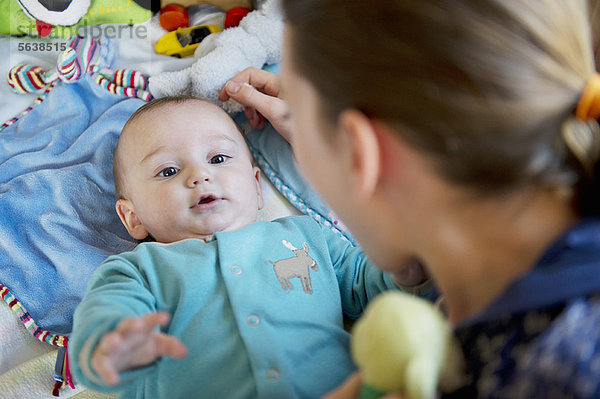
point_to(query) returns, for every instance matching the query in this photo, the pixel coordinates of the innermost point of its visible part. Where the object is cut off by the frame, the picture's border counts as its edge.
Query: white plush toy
(255, 42)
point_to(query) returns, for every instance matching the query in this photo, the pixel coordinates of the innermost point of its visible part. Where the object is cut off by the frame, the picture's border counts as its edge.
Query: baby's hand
(410, 275)
(134, 343)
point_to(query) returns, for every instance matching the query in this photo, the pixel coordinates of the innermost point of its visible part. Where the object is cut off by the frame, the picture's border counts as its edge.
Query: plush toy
(404, 345)
(82, 56)
(220, 56)
(62, 18)
(225, 5)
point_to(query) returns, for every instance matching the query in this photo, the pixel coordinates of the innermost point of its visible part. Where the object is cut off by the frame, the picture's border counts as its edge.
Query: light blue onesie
(259, 309)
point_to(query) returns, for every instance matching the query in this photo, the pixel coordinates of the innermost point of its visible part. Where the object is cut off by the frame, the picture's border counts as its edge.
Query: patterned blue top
(541, 338)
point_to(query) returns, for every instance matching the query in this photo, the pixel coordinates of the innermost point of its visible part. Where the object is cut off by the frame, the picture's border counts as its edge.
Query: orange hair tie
(589, 102)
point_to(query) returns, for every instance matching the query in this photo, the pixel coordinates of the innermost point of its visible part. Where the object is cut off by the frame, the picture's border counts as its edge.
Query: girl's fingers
(348, 389)
(264, 81)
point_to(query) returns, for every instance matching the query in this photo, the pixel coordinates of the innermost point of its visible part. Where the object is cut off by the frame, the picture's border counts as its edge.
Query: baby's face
(188, 172)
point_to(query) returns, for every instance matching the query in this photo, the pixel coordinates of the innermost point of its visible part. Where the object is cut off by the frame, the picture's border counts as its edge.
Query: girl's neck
(481, 247)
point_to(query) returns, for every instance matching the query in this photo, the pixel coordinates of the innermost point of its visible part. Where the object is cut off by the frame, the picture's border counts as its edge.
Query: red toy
(173, 16)
(234, 16)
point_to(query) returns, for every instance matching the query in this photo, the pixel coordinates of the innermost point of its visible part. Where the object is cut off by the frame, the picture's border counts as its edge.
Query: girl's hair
(486, 89)
(595, 22)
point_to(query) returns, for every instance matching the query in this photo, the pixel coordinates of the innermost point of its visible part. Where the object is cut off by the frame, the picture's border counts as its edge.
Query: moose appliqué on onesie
(296, 266)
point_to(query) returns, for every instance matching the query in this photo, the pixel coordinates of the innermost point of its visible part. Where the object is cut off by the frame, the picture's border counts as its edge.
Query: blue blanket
(57, 218)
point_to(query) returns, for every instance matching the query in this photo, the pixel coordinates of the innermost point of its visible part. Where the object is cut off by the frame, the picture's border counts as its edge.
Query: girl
(462, 135)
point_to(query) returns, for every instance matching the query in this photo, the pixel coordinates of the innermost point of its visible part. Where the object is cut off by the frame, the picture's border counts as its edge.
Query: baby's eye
(218, 159)
(168, 172)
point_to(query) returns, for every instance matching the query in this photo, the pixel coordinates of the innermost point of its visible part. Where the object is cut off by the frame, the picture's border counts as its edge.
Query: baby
(216, 304)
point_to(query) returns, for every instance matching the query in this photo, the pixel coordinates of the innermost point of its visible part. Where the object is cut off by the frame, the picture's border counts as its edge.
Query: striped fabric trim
(125, 91)
(68, 66)
(122, 77)
(26, 78)
(19, 310)
(292, 196)
(88, 50)
(81, 54)
(35, 103)
(36, 76)
(139, 80)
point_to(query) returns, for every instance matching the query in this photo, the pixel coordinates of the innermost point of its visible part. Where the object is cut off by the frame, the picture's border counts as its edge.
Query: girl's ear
(366, 152)
(129, 219)
(256, 171)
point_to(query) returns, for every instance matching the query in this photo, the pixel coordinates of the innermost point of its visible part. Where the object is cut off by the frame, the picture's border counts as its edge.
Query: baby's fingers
(105, 368)
(167, 345)
(143, 324)
(133, 343)
(103, 361)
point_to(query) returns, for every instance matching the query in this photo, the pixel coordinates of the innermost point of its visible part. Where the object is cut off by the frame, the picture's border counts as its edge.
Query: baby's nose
(198, 175)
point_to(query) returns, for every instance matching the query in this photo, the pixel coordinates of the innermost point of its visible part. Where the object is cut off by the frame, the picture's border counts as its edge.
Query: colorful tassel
(17, 308)
(56, 390)
(35, 103)
(82, 54)
(80, 58)
(26, 79)
(123, 77)
(62, 371)
(69, 69)
(120, 90)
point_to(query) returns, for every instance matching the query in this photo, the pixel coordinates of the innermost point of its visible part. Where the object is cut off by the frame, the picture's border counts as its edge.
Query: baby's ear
(256, 171)
(130, 220)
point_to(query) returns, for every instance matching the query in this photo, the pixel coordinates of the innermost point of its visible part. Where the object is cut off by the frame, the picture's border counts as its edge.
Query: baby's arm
(115, 328)
(414, 280)
(134, 343)
(360, 281)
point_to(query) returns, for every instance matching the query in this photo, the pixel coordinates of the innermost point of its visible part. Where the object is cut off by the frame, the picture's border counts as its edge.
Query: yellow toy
(404, 345)
(183, 41)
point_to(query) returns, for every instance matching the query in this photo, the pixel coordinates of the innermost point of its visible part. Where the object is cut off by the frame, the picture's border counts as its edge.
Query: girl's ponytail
(581, 136)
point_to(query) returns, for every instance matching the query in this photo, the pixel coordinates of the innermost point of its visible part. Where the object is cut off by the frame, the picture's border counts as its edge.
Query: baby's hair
(158, 103)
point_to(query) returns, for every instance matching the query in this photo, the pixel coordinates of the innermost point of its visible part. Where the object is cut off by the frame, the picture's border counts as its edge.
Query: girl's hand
(351, 388)
(134, 343)
(259, 91)
(348, 390)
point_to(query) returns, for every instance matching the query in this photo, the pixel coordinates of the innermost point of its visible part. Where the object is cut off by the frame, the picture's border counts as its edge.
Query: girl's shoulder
(553, 352)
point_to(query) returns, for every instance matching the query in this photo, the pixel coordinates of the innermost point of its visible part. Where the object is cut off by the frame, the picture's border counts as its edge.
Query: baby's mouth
(207, 201)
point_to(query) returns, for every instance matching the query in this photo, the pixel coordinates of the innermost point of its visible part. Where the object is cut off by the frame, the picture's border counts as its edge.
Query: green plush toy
(61, 18)
(404, 345)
